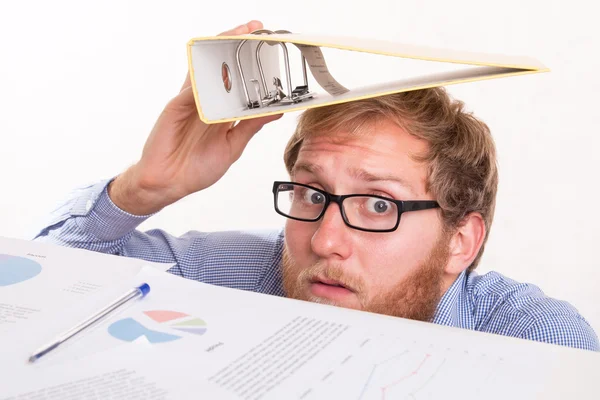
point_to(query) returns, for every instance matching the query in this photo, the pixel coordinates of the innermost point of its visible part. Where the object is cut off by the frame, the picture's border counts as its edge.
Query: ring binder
(276, 96)
(254, 85)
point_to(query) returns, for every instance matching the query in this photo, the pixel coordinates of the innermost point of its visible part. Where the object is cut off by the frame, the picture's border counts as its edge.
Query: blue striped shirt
(251, 261)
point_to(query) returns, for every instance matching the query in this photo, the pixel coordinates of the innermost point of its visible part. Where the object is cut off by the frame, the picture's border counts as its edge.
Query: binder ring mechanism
(275, 96)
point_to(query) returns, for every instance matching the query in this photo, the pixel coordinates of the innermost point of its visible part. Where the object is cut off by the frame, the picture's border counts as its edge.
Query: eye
(378, 206)
(313, 197)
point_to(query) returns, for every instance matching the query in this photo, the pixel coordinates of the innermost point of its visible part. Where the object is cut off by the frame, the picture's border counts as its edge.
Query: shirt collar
(453, 309)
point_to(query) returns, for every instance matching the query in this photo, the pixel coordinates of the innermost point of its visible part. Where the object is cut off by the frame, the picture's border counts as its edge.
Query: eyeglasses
(368, 213)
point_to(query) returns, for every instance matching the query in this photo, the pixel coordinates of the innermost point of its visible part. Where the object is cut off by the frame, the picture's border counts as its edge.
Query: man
(389, 204)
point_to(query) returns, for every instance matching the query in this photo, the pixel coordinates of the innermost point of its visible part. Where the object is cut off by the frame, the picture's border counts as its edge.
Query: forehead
(381, 136)
(381, 149)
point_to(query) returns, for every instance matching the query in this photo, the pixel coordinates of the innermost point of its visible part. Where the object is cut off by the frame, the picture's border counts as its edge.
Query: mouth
(329, 282)
(330, 289)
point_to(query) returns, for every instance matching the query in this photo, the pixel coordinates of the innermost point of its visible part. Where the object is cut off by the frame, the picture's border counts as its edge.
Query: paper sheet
(230, 344)
(116, 375)
(37, 278)
(318, 67)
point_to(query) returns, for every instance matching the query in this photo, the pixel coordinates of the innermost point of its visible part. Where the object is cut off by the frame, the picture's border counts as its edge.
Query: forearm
(242, 260)
(135, 193)
(90, 220)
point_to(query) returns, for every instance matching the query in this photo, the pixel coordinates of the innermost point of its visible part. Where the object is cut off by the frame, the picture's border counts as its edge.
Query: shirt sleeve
(90, 220)
(564, 330)
(242, 260)
(506, 307)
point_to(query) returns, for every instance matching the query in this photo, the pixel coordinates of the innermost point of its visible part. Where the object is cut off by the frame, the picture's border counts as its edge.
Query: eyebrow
(356, 173)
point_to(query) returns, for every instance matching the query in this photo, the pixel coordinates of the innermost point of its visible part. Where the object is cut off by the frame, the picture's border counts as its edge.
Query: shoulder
(504, 306)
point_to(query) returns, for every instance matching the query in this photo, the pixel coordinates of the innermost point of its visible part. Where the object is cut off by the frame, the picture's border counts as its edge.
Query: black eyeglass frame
(403, 205)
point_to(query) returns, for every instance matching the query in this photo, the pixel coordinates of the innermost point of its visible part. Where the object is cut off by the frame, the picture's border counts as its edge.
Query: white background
(81, 84)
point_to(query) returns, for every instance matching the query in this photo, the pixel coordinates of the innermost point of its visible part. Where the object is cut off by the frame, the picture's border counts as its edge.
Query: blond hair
(461, 156)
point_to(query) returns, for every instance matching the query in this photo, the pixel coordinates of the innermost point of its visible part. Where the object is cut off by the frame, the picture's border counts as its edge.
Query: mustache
(334, 272)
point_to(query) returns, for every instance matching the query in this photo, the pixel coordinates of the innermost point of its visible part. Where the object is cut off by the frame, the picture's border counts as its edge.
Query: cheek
(387, 258)
(385, 262)
(298, 235)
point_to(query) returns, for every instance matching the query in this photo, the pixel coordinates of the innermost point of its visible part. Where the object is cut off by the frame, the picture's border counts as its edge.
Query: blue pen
(140, 291)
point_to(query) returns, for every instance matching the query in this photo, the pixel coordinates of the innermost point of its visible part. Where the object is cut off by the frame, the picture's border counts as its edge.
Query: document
(187, 340)
(138, 373)
(37, 278)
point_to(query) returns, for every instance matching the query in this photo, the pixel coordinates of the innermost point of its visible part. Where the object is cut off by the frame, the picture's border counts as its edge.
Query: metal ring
(286, 60)
(239, 64)
(304, 73)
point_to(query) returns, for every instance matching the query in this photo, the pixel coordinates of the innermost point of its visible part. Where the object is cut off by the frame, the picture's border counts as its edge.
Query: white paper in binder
(243, 77)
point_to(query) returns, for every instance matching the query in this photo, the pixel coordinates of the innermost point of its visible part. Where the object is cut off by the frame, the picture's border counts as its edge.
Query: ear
(465, 243)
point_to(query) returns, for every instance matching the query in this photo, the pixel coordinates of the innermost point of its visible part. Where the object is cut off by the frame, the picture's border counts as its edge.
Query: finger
(184, 99)
(240, 135)
(251, 126)
(240, 30)
(187, 83)
(243, 29)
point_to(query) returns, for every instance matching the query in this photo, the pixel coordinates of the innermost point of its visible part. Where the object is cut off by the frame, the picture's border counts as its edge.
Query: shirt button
(89, 205)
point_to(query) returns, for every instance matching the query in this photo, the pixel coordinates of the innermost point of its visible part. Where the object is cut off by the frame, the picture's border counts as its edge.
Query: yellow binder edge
(358, 49)
(522, 70)
(193, 82)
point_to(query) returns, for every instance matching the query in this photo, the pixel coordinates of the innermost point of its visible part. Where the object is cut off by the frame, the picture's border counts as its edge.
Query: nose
(332, 238)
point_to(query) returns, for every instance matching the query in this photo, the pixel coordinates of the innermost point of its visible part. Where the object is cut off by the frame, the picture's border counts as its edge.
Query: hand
(183, 155)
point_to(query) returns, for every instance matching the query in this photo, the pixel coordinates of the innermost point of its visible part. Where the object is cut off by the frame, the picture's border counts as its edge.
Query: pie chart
(15, 269)
(174, 325)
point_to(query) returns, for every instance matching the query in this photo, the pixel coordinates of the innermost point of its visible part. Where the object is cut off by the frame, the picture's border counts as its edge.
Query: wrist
(129, 193)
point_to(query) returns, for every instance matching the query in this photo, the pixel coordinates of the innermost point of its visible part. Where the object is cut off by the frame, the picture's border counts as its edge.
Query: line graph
(375, 368)
(398, 381)
(386, 368)
(413, 394)
(403, 374)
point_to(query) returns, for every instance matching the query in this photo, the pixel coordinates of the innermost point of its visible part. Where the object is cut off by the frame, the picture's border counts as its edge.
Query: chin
(329, 302)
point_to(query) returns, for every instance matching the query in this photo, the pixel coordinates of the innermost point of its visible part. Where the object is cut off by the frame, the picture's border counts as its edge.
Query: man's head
(418, 145)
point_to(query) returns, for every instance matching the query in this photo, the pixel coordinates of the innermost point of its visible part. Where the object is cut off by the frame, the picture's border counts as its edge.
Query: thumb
(183, 100)
(239, 136)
